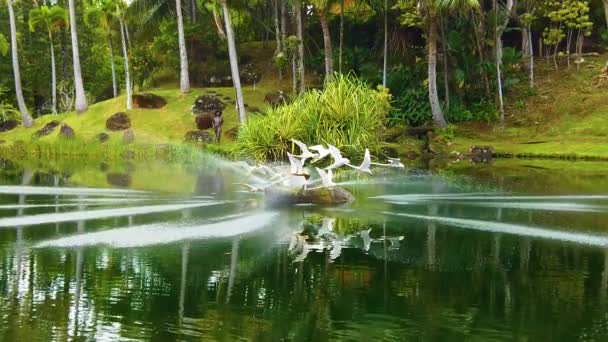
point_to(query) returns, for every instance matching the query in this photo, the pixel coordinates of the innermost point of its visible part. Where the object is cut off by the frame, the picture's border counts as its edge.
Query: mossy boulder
(320, 196)
(148, 100)
(119, 180)
(47, 129)
(103, 137)
(118, 122)
(206, 104)
(250, 74)
(204, 121)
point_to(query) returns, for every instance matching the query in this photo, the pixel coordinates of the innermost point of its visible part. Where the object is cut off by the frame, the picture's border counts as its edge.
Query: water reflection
(415, 257)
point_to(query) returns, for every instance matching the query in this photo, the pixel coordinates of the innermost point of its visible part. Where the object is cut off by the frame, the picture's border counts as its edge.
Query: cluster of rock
(277, 98)
(148, 101)
(204, 109)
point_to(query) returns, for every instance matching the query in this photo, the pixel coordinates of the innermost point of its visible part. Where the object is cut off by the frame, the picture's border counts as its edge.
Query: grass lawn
(566, 118)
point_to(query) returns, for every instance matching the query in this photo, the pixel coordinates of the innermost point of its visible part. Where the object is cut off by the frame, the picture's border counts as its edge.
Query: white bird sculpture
(299, 176)
(392, 162)
(326, 178)
(367, 162)
(322, 152)
(305, 153)
(337, 156)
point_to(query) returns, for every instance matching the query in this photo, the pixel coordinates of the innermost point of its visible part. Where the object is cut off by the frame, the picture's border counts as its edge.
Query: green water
(509, 251)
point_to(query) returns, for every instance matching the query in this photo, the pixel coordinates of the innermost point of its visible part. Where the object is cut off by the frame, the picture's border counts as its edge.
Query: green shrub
(347, 113)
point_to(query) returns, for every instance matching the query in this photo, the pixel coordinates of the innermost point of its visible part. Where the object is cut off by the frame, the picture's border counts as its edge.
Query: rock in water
(47, 129)
(118, 122)
(66, 132)
(148, 100)
(207, 103)
(8, 125)
(119, 180)
(321, 196)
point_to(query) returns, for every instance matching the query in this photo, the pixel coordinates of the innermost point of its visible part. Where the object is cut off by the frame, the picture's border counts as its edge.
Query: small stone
(128, 136)
(47, 129)
(103, 137)
(118, 122)
(66, 132)
(201, 137)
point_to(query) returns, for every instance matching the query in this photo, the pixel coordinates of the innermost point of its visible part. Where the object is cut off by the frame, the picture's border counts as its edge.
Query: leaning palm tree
(102, 17)
(431, 9)
(48, 18)
(184, 78)
(234, 66)
(81, 99)
(25, 115)
(322, 10)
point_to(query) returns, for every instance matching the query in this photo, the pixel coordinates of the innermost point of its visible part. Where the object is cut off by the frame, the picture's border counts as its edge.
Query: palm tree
(184, 77)
(103, 17)
(25, 115)
(123, 30)
(234, 66)
(321, 7)
(299, 34)
(81, 99)
(432, 9)
(49, 18)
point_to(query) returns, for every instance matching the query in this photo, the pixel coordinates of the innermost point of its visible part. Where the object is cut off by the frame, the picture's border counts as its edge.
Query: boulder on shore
(47, 129)
(148, 100)
(207, 103)
(276, 98)
(204, 121)
(103, 137)
(8, 125)
(66, 132)
(118, 122)
(322, 196)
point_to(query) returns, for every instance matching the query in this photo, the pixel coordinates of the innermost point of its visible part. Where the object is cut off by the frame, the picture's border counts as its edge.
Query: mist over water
(183, 252)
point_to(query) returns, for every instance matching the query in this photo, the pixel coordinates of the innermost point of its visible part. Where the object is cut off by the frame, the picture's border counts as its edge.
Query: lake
(512, 250)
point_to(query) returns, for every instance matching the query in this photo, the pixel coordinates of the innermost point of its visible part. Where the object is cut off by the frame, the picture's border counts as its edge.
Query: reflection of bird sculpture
(391, 162)
(367, 240)
(336, 249)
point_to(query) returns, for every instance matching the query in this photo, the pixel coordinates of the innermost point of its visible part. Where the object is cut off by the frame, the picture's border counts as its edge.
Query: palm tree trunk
(294, 74)
(606, 11)
(384, 62)
(531, 69)
(234, 66)
(64, 53)
(53, 75)
(444, 48)
(283, 4)
(432, 74)
(193, 11)
(329, 62)
(277, 27)
(81, 99)
(127, 34)
(126, 58)
(341, 36)
(114, 86)
(300, 35)
(501, 105)
(25, 115)
(184, 78)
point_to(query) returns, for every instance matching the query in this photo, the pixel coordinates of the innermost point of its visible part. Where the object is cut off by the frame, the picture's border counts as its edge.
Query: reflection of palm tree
(182, 289)
(233, 263)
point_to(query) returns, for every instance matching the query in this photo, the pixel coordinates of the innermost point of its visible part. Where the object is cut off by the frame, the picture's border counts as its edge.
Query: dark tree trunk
(329, 62)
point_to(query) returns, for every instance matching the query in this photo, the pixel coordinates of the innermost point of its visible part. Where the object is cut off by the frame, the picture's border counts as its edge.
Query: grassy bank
(566, 116)
(158, 132)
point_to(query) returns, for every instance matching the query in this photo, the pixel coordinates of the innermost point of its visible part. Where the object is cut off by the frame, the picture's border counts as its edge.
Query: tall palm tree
(123, 30)
(81, 99)
(234, 66)
(432, 9)
(49, 18)
(103, 16)
(322, 9)
(184, 77)
(297, 5)
(25, 115)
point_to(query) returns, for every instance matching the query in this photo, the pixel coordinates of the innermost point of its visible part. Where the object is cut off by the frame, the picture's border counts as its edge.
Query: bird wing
(367, 161)
(330, 176)
(301, 145)
(324, 177)
(296, 165)
(335, 152)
